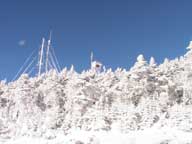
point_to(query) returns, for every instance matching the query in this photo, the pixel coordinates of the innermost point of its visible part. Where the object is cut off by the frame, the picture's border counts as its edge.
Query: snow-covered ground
(150, 104)
(147, 136)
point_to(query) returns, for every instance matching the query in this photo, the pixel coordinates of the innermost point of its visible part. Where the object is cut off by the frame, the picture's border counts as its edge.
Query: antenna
(91, 57)
(23, 66)
(41, 56)
(47, 53)
(46, 60)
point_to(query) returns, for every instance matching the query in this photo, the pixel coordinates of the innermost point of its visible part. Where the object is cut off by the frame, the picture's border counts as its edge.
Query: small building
(96, 66)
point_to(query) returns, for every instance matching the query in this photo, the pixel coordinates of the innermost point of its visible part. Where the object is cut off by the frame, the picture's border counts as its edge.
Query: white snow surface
(148, 136)
(148, 104)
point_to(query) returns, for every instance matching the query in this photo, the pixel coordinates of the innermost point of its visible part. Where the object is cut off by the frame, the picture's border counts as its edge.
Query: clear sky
(115, 30)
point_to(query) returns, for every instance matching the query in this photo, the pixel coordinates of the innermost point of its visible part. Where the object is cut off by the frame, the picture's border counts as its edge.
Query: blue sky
(115, 30)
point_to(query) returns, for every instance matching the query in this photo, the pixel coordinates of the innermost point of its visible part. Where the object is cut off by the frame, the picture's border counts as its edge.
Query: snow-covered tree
(152, 62)
(144, 96)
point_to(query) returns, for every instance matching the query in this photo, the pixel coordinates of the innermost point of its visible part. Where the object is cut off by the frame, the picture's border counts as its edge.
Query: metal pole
(41, 56)
(47, 54)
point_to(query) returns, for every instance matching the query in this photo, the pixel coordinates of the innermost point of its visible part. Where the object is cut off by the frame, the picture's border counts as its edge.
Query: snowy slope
(148, 104)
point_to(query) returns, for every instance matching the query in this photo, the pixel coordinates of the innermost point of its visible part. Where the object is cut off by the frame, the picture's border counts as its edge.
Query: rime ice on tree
(152, 62)
(190, 45)
(140, 62)
(146, 97)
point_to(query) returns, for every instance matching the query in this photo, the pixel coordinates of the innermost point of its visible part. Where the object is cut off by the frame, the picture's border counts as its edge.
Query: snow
(149, 104)
(152, 62)
(190, 45)
(140, 58)
(148, 136)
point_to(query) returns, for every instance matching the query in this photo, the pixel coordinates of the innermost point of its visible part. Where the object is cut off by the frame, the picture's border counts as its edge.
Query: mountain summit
(54, 105)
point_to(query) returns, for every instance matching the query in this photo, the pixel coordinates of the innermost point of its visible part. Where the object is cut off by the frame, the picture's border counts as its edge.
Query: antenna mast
(46, 61)
(41, 56)
(91, 57)
(47, 53)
